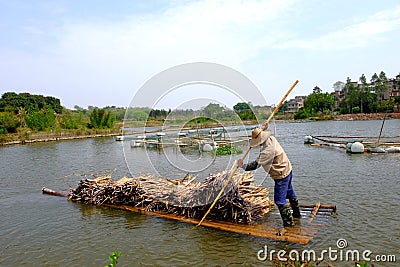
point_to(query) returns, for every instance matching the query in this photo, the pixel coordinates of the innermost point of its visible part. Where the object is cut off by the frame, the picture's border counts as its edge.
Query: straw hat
(259, 136)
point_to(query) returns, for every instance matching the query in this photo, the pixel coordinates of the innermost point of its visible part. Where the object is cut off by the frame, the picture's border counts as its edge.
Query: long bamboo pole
(264, 127)
(383, 122)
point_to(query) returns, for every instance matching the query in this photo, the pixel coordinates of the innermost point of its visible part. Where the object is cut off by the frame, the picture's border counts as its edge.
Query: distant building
(340, 94)
(393, 85)
(391, 92)
(296, 104)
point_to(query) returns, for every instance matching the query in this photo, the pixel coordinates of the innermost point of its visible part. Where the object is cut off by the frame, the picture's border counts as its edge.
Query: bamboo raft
(244, 209)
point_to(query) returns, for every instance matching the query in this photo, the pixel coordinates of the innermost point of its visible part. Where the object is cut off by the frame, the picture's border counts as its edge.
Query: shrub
(301, 114)
(100, 118)
(8, 122)
(39, 120)
(355, 109)
(71, 120)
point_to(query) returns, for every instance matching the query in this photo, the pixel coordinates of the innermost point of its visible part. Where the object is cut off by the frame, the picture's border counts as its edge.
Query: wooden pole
(314, 212)
(48, 191)
(383, 122)
(264, 127)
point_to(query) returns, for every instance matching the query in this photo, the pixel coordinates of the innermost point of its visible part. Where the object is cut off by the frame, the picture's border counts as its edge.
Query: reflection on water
(43, 230)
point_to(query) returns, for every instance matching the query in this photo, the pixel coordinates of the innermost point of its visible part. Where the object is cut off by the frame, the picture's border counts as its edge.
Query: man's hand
(265, 126)
(240, 163)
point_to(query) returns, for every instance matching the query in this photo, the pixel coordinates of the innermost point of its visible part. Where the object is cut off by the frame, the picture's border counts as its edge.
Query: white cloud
(121, 55)
(356, 35)
(207, 31)
(101, 60)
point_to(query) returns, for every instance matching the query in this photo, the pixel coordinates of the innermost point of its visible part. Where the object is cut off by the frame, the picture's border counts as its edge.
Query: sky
(100, 53)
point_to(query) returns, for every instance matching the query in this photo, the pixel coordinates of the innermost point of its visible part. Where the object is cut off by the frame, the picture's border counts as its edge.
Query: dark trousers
(283, 190)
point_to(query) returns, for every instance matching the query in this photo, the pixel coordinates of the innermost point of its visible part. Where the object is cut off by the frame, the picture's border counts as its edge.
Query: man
(275, 162)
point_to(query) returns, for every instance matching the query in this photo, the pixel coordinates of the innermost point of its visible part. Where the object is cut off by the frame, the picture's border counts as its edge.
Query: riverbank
(344, 117)
(29, 137)
(26, 138)
(363, 116)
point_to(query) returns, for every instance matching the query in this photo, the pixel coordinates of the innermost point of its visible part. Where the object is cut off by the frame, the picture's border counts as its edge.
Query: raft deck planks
(270, 228)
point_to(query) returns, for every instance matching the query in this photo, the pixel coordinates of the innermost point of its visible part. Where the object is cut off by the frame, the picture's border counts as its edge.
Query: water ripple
(50, 231)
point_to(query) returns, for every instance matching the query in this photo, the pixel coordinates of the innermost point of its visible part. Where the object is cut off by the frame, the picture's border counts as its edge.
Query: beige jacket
(274, 160)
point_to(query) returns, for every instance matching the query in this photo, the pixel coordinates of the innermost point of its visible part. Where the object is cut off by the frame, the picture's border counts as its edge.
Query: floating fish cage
(204, 140)
(356, 144)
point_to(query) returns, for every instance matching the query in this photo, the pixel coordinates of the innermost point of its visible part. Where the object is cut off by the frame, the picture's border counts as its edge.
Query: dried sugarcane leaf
(242, 201)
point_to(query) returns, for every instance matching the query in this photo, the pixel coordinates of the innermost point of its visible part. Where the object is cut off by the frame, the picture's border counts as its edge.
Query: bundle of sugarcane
(242, 201)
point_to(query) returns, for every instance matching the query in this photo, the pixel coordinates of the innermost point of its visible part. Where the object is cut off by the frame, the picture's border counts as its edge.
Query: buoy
(308, 139)
(207, 147)
(119, 138)
(357, 147)
(348, 147)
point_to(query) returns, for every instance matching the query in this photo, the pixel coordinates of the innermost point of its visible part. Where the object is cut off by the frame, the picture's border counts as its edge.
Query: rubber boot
(294, 203)
(286, 215)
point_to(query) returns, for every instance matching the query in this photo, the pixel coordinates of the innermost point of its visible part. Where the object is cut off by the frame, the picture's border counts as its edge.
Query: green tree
(100, 118)
(382, 86)
(284, 107)
(319, 102)
(317, 90)
(241, 106)
(13, 101)
(213, 111)
(316, 103)
(41, 119)
(54, 103)
(351, 98)
(301, 114)
(396, 103)
(379, 84)
(375, 83)
(71, 120)
(120, 114)
(244, 111)
(369, 101)
(387, 105)
(140, 115)
(78, 108)
(338, 86)
(374, 79)
(158, 114)
(9, 122)
(356, 109)
(363, 90)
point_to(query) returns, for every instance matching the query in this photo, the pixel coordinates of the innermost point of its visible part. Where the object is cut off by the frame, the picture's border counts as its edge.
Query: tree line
(215, 111)
(19, 112)
(24, 111)
(14, 102)
(358, 97)
(368, 97)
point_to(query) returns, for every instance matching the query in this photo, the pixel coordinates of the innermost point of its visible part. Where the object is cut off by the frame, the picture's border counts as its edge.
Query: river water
(41, 230)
